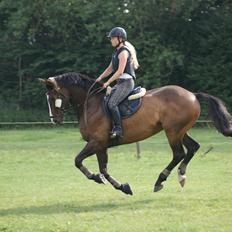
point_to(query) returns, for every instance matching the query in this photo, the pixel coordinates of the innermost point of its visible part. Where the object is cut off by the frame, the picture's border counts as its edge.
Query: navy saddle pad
(126, 107)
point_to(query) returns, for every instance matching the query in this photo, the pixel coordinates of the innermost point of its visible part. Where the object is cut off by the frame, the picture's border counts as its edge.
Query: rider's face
(114, 41)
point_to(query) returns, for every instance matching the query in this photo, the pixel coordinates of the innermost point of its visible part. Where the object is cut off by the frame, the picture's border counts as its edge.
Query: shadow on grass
(73, 207)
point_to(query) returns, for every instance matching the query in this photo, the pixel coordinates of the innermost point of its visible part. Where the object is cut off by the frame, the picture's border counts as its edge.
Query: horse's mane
(76, 79)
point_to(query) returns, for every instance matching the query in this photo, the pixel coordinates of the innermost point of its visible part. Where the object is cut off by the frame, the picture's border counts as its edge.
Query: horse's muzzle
(56, 120)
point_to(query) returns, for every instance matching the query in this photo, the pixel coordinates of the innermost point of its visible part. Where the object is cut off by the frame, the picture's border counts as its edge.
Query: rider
(123, 63)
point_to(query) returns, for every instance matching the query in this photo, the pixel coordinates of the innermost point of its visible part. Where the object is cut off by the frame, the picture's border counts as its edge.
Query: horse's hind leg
(178, 155)
(102, 157)
(192, 146)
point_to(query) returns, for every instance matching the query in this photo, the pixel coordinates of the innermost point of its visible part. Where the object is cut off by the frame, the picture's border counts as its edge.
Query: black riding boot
(117, 123)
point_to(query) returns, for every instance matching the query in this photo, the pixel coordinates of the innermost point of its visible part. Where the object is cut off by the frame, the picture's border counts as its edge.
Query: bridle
(58, 103)
(61, 97)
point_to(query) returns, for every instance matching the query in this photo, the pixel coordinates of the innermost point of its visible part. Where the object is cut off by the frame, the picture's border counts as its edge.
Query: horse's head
(69, 85)
(57, 99)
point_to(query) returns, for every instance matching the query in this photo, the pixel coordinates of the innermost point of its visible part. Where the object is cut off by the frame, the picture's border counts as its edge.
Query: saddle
(129, 105)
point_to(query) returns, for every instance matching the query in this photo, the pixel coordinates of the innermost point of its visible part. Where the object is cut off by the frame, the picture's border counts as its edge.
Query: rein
(90, 94)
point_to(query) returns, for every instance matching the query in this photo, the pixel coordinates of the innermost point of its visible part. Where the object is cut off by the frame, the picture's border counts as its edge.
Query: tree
(181, 42)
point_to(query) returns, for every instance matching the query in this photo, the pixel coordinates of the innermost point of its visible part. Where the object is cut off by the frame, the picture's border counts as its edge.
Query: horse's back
(171, 91)
(174, 104)
(173, 94)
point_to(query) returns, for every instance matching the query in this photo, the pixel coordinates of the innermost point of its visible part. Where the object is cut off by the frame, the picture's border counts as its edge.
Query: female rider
(123, 63)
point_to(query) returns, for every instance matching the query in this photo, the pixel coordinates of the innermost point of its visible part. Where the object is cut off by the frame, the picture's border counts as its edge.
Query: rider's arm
(121, 67)
(106, 73)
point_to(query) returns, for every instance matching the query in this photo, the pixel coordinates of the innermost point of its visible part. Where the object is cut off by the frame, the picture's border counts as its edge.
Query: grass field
(41, 190)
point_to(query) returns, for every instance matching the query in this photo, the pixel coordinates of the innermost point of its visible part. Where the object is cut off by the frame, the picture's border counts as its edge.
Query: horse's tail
(218, 114)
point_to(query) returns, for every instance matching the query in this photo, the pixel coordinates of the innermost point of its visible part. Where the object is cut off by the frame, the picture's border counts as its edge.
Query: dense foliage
(183, 42)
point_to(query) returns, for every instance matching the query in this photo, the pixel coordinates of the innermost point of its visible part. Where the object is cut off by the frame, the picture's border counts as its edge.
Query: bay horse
(169, 108)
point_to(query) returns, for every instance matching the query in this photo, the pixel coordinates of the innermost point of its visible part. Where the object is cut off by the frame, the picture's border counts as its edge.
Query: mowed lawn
(41, 190)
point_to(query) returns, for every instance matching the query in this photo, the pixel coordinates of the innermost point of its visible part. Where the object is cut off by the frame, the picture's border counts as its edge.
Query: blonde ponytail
(133, 54)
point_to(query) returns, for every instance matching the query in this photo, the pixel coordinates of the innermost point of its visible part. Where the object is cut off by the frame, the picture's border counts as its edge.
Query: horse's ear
(42, 80)
(48, 82)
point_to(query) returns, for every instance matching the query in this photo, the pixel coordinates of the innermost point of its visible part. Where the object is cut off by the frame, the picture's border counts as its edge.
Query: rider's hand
(105, 85)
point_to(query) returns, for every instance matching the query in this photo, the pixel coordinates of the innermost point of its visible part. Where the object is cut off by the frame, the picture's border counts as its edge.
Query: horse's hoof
(126, 189)
(182, 183)
(158, 188)
(182, 179)
(100, 179)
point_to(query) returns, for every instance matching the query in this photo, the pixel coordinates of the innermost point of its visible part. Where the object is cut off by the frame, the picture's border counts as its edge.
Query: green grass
(41, 190)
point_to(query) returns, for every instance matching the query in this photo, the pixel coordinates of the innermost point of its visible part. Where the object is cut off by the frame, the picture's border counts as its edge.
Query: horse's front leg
(102, 157)
(88, 150)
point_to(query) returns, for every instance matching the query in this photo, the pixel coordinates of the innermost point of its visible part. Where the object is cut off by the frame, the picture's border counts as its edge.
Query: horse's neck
(78, 102)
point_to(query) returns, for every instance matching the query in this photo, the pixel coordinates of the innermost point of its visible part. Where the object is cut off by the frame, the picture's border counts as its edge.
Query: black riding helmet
(118, 32)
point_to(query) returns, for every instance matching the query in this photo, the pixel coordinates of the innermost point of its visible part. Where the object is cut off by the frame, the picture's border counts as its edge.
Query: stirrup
(115, 134)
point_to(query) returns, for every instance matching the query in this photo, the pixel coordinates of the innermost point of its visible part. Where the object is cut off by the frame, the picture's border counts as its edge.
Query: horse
(169, 108)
